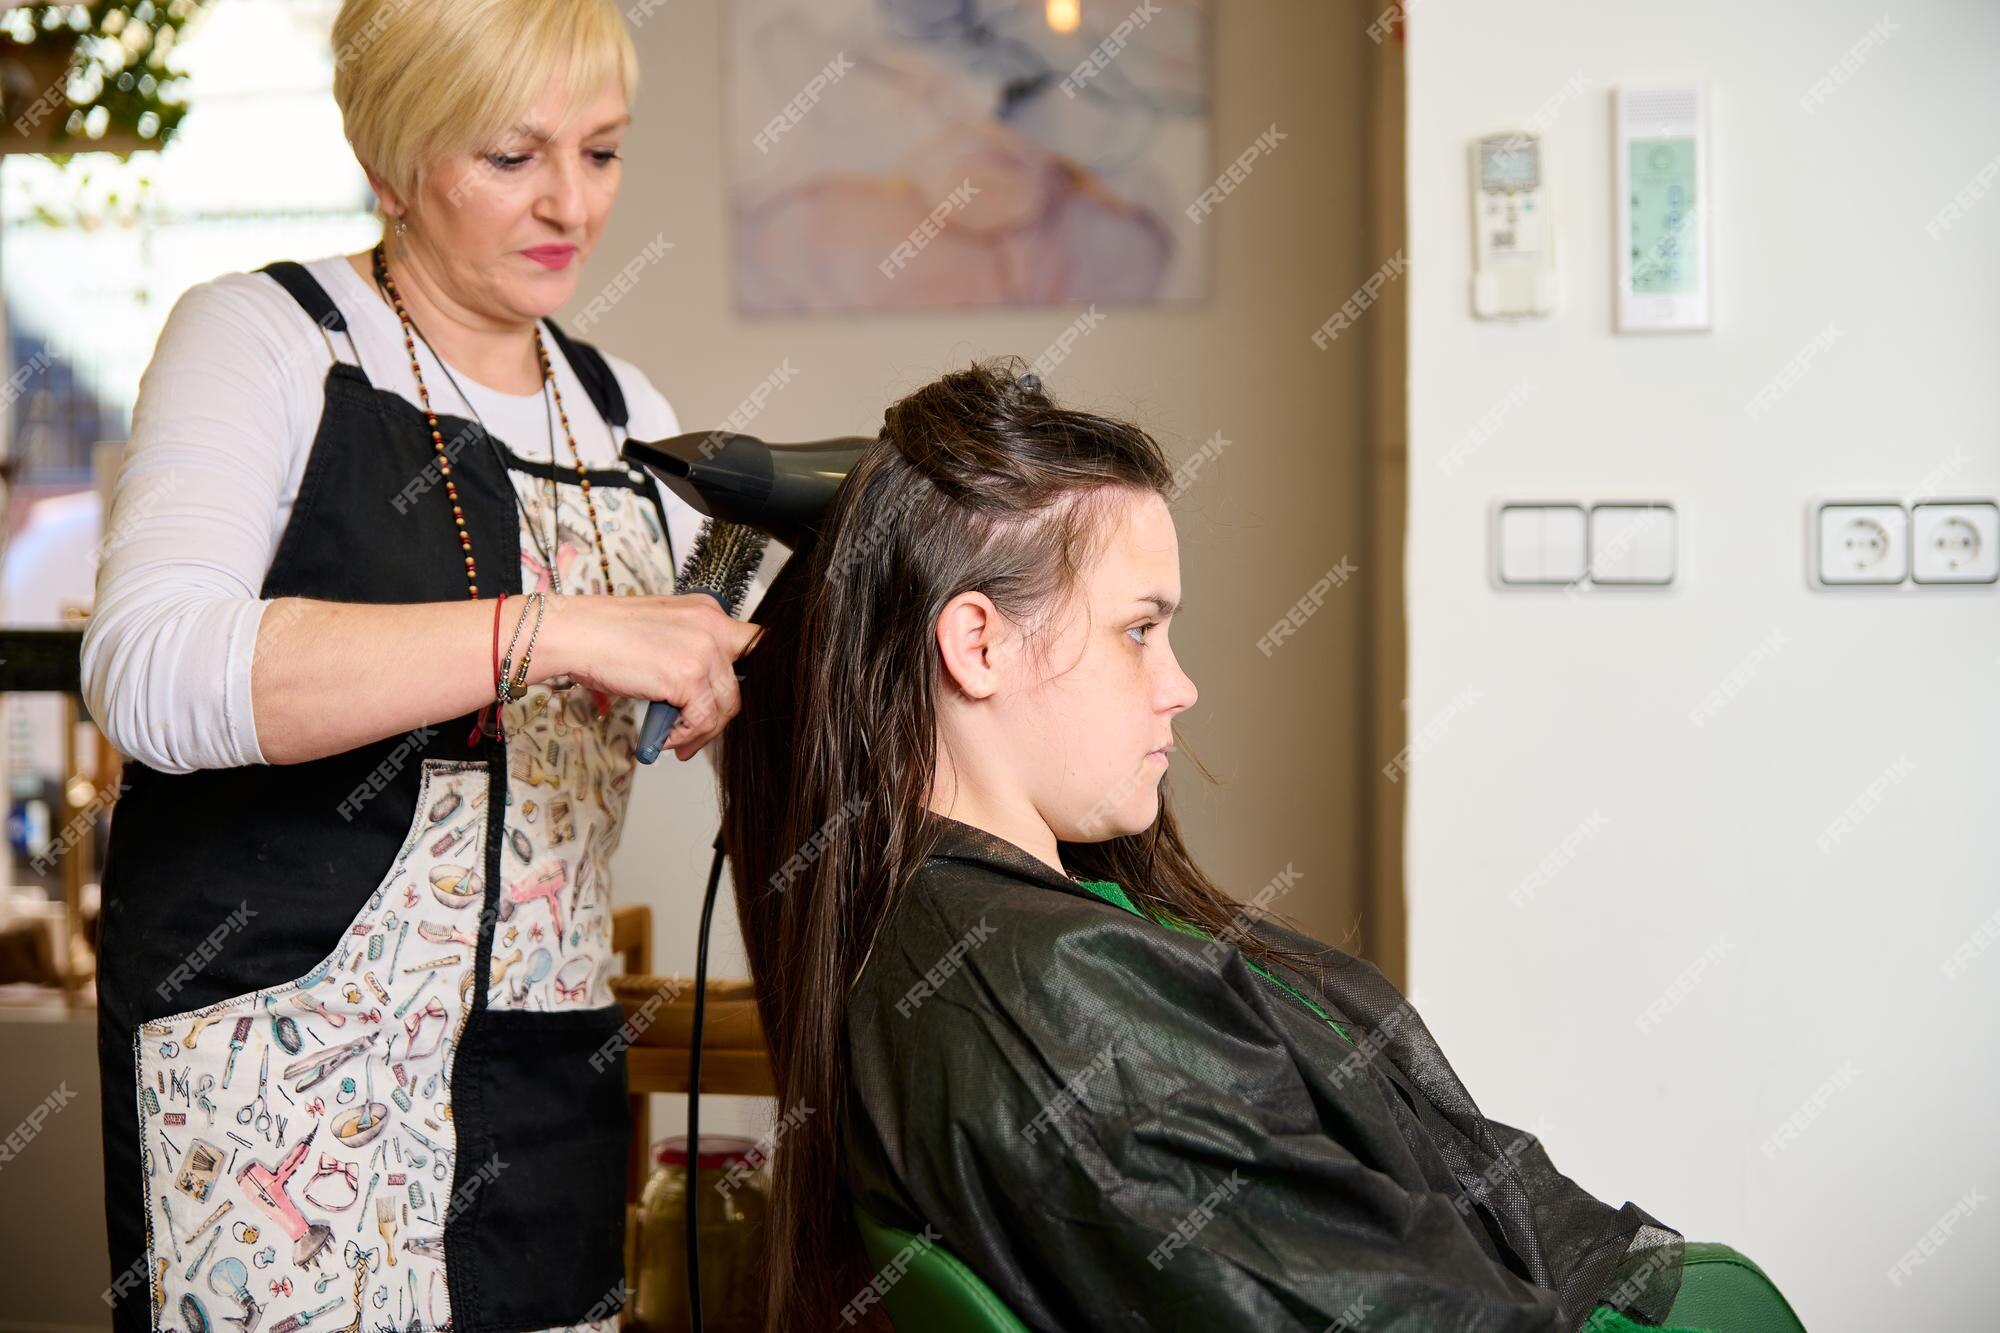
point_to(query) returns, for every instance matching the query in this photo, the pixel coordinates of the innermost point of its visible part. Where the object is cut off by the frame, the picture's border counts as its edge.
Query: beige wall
(1284, 502)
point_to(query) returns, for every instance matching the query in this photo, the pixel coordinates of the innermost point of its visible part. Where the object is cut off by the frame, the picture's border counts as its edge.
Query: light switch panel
(1633, 543)
(1541, 543)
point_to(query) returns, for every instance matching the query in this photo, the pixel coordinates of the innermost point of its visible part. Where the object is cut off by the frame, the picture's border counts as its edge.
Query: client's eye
(1141, 630)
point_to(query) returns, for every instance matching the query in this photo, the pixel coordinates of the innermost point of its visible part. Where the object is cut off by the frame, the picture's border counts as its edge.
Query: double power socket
(1886, 543)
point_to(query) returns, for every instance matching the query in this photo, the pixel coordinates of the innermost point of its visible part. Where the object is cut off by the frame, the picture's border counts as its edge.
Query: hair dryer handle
(661, 715)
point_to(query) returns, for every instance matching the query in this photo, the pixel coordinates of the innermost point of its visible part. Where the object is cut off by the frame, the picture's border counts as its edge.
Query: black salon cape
(1058, 1086)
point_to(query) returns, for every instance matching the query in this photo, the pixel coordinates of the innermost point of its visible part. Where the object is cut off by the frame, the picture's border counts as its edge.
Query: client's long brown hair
(976, 482)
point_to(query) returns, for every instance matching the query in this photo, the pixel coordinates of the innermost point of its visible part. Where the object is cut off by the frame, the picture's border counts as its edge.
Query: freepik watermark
(1961, 203)
(1069, 1094)
(1734, 683)
(1389, 20)
(378, 23)
(1982, 940)
(628, 277)
(1927, 489)
(1234, 174)
(1863, 805)
(745, 1167)
(29, 1128)
(1933, 1240)
(1190, 467)
(816, 845)
(1252, 911)
(385, 772)
(434, 470)
(1486, 427)
(1846, 67)
(630, 1030)
(1106, 51)
(1433, 733)
(467, 1188)
(1303, 610)
(941, 971)
(1667, 249)
(205, 952)
(1552, 865)
(132, 1279)
(1544, 115)
(1058, 351)
(1098, 815)
(1810, 1110)
(1197, 1219)
(132, 517)
(1683, 985)
(1356, 305)
(17, 383)
(1351, 1317)
(1372, 1044)
(1606, 552)
(1478, 1189)
(878, 530)
(78, 826)
(746, 411)
(889, 1274)
(794, 111)
(928, 230)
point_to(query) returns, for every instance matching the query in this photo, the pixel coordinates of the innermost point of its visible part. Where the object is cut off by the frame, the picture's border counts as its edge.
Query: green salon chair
(1721, 1291)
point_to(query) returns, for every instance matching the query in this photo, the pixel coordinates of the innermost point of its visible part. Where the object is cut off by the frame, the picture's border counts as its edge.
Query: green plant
(103, 76)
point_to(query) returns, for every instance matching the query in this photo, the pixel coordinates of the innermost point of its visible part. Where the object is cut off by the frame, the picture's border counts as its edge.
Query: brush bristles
(724, 559)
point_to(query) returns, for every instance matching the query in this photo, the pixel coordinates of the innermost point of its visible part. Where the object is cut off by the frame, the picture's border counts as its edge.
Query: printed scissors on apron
(439, 1156)
(262, 1108)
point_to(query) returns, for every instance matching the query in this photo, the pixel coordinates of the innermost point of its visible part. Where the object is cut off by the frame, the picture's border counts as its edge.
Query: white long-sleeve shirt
(221, 429)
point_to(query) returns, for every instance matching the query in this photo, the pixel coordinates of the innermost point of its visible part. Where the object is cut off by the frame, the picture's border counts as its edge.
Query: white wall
(1833, 969)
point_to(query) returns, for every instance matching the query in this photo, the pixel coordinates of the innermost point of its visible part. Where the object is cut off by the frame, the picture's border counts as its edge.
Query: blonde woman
(379, 620)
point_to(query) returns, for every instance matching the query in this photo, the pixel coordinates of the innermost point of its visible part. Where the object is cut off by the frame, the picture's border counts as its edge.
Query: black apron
(280, 1052)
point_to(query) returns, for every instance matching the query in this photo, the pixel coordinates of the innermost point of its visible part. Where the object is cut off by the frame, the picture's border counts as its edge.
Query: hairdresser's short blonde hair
(417, 80)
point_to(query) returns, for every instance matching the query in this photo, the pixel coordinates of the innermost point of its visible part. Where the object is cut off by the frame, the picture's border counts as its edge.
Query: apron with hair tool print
(362, 1067)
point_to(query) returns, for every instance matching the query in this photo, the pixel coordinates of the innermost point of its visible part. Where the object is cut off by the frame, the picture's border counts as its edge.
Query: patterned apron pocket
(540, 1208)
(307, 1128)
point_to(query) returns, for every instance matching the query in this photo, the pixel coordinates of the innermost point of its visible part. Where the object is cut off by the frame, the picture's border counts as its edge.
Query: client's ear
(971, 638)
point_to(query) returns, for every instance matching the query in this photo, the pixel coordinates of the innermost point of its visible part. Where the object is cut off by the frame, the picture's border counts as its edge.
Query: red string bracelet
(479, 722)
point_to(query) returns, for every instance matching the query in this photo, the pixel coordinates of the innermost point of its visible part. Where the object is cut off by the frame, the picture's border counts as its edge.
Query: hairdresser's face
(505, 232)
(1079, 734)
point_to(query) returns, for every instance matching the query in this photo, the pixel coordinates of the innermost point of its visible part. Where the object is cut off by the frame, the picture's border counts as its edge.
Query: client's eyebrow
(1160, 603)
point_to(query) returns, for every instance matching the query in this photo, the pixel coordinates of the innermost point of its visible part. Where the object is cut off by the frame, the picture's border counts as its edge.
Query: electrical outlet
(1955, 542)
(1863, 543)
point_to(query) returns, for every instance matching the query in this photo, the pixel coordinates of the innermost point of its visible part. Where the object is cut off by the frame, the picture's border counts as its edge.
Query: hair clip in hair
(1029, 382)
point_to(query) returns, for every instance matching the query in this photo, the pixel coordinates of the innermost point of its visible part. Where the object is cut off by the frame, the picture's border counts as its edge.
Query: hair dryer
(747, 489)
(780, 489)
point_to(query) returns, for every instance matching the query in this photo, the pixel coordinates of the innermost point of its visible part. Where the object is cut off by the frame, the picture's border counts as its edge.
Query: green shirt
(1111, 893)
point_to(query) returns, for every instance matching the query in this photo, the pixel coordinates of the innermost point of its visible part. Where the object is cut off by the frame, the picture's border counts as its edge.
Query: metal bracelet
(506, 690)
(519, 685)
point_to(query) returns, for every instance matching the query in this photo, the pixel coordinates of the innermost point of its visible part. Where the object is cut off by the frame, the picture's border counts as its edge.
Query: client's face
(1090, 723)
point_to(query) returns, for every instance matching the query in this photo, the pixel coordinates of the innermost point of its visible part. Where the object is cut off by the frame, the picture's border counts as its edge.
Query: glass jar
(732, 1200)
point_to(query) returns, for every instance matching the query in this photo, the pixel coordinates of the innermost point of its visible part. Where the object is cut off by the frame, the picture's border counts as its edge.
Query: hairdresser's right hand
(681, 649)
